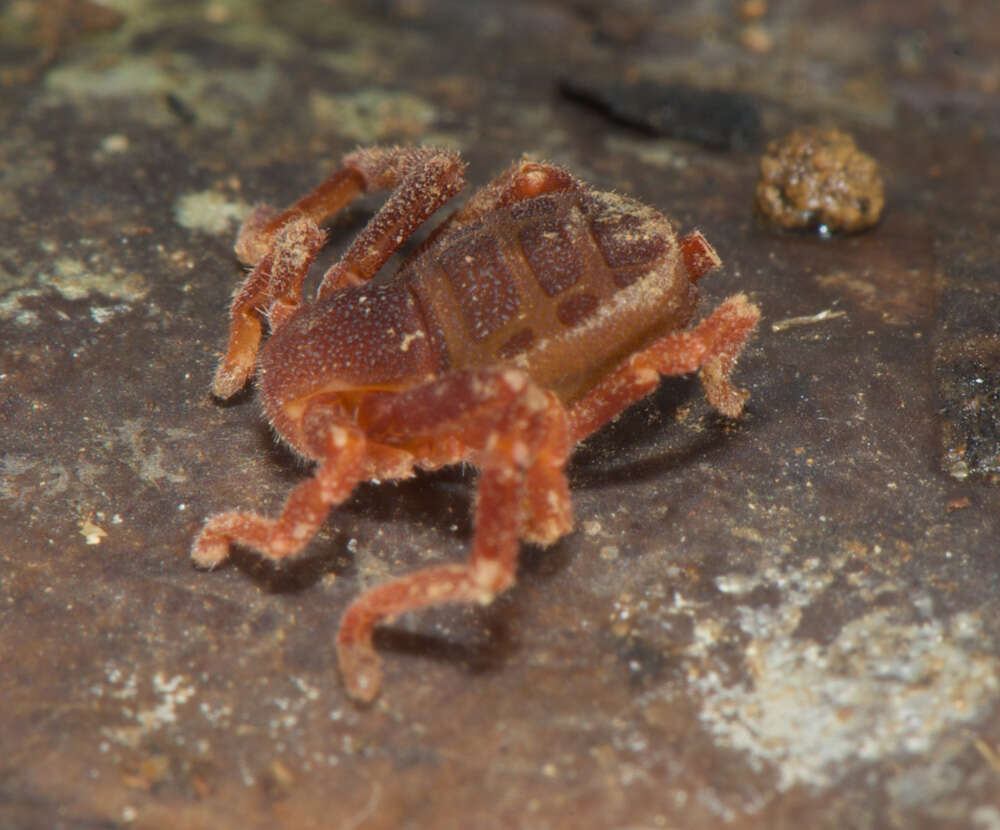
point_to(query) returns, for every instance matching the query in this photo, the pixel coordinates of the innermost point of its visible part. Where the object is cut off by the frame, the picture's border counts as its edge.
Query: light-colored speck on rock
(209, 211)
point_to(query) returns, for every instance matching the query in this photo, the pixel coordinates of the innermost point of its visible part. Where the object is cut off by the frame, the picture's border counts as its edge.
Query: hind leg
(710, 348)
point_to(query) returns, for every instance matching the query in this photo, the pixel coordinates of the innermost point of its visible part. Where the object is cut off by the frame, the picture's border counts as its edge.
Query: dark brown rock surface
(789, 620)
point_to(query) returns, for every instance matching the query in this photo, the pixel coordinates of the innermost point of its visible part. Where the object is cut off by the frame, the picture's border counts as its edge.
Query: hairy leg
(282, 246)
(711, 348)
(522, 180)
(341, 447)
(515, 433)
(422, 179)
(273, 288)
(699, 256)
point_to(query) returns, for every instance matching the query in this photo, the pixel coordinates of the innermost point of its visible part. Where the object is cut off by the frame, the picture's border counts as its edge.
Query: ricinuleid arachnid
(528, 319)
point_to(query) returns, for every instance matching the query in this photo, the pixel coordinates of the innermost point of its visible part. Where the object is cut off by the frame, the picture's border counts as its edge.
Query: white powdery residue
(174, 692)
(209, 211)
(126, 685)
(293, 708)
(309, 691)
(139, 722)
(216, 715)
(73, 279)
(881, 688)
(102, 315)
(737, 583)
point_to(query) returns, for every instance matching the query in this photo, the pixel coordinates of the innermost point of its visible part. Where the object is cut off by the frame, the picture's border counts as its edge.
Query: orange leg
(711, 347)
(522, 180)
(423, 178)
(341, 448)
(546, 512)
(517, 435)
(273, 287)
(282, 246)
(259, 229)
(699, 256)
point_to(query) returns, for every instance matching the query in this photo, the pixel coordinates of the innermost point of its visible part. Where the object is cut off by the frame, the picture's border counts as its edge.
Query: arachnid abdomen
(564, 286)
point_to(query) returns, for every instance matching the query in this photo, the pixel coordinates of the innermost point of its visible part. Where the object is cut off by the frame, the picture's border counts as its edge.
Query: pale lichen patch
(659, 153)
(371, 116)
(73, 279)
(884, 686)
(214, 98)
(209, 211)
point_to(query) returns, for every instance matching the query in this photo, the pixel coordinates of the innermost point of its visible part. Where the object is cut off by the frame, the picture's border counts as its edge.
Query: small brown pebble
(818, 178)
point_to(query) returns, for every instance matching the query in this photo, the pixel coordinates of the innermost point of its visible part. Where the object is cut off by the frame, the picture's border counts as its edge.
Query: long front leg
(253, 241)
(711, 348)
(515, 433)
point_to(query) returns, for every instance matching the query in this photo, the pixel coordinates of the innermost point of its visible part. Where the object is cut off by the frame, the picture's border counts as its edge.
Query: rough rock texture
(786, 621)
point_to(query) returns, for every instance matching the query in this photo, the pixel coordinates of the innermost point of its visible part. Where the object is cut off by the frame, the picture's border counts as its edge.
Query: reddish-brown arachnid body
(527, 320)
